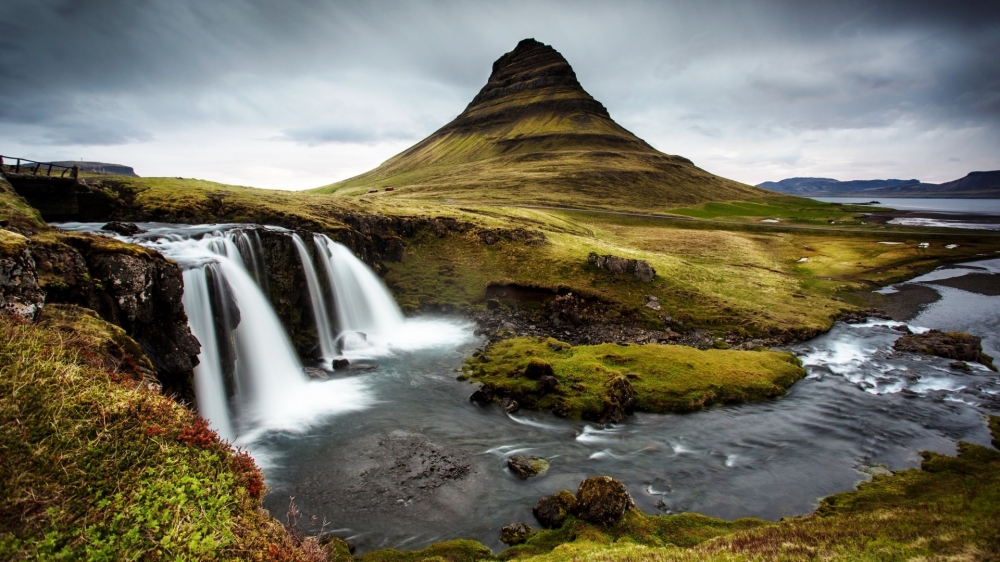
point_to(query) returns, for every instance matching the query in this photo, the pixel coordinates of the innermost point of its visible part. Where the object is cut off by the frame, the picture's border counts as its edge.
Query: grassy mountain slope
(534, 136)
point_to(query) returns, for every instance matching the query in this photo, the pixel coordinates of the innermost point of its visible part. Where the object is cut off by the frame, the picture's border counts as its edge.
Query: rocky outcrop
(515, 533)
(602, 500)
(619, 400)
(525, 467)
(136, 289)
(551, 511)
(20, 294)
(640, 269)
(951, 345)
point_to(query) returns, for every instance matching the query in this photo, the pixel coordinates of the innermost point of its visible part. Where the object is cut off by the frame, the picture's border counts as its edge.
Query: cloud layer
(302, 93)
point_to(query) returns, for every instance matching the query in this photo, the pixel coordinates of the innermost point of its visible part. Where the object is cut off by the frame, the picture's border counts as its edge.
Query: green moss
(666, 378)
(11, 243)
(461, 550)
(97, 467)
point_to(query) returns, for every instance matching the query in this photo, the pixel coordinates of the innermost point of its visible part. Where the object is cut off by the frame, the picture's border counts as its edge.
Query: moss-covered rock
(552, 511)
(602, 499)
(525, 467)
(515, 533)
(607, 382)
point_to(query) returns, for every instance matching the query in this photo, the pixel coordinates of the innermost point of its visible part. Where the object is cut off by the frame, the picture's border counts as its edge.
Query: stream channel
(399, 457)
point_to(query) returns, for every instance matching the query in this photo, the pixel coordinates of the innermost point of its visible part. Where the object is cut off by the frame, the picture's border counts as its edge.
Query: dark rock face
(515, 533)
(537, 368)
(638, 268)
(551, 511)
(532, 67)
(525, 467)
(619, 400)
(951, 345)
(509, 405)
(19, 291)
(123, 228)
(603, 500)
(484, 395)
(137, 290)
(547, 384)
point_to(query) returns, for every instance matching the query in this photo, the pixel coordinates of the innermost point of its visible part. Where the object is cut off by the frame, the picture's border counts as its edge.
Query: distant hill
(533, 135)
(976, 185)
(100, 168)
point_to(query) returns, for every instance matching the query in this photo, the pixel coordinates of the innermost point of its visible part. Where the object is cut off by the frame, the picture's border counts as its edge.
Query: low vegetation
(96, 465)
(663, 378)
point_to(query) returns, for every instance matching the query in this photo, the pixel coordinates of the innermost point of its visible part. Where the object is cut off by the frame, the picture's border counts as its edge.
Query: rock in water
(123, 228)
(515, 533)
(525, 467)
(551, 511)
(509, 405)
(951, 345)
(341, 364)
(602, 499)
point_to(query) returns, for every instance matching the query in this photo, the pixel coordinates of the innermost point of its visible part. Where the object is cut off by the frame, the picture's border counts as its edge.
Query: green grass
(96, 466)
(666, 378)
(786, 209)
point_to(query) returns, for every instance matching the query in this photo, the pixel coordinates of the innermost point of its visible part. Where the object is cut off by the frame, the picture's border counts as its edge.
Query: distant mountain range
(100, 168)
(976, 185)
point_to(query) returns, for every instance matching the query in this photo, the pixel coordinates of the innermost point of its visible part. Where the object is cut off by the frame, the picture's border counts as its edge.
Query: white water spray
(362, 301)
(327, 345)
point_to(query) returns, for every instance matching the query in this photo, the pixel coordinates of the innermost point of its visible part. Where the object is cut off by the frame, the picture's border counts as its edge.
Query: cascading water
(249, 379)
(363, 304)
(209, 387)
(327, 345)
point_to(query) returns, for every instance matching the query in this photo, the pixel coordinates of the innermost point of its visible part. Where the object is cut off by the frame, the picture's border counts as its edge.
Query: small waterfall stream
(362, 302)
(328, 346)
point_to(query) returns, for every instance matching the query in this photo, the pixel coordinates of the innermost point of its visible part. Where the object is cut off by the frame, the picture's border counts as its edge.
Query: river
(399, 457)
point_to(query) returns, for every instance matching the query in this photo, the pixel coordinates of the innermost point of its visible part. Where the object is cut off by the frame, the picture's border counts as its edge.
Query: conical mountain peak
(533, 135)
(532, 78)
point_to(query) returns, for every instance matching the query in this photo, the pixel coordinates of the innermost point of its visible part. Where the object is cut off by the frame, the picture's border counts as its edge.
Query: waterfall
(209, 389)
(327, 345)
(362, 301)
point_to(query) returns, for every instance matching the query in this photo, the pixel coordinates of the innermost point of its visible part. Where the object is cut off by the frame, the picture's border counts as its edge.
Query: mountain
(533, 135)
(816, 186)
(100, 168)
(976, 185)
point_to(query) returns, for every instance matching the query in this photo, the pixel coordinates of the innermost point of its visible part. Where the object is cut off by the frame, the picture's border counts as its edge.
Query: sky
(296, 94)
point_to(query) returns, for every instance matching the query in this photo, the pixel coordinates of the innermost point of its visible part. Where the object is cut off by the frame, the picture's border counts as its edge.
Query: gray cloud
(704, 79)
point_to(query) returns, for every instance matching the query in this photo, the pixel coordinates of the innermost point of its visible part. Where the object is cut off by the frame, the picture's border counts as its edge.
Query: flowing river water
(399, 457)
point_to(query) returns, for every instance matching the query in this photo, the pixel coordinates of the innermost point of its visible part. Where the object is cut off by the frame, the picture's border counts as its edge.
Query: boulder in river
(484, 395)
(602, 499)
(951, 345)
(525, 467)
(515, 533)
(551, 511)
(123, 228)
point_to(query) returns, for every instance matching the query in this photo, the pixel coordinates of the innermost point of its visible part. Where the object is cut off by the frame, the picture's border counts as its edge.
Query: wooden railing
(25, 166)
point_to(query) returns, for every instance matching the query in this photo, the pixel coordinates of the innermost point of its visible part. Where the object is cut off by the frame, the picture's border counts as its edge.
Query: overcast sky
(301, 93)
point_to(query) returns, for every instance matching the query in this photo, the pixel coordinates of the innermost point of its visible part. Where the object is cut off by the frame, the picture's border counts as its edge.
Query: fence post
(37, 166)
(17, 168)
(76, 172)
